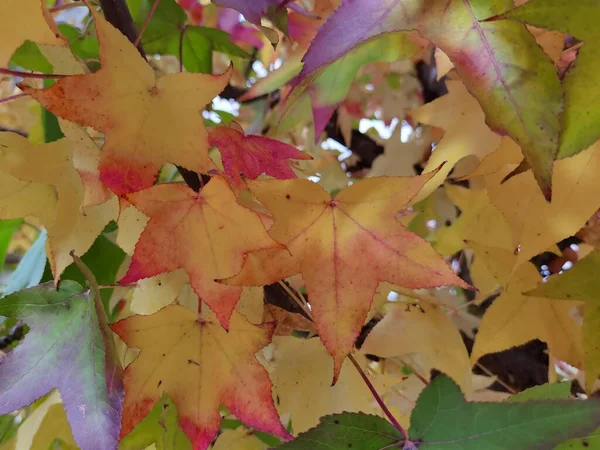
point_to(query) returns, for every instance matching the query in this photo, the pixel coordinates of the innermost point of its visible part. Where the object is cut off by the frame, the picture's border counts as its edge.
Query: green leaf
(348, 431)
(30, 269)
(160, 427)
(443, 419)
(582, 111)
(29, 56)
(84, 46)
(7, 229)
(167, 33)
(549, 391)
(104, 258)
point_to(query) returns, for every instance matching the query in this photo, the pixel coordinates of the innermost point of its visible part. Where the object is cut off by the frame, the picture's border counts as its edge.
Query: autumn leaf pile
(190, 277)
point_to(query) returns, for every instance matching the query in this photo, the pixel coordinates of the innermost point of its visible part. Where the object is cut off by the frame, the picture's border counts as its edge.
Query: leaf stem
(13, 97)
(378, 398)
(146, 22)
(297, 299)
(17, 73)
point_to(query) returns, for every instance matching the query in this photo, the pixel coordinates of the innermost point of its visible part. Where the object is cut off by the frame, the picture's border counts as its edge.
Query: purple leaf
(65, 349)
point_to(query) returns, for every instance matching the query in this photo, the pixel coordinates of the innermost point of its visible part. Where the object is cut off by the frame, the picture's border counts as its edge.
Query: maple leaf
(581, 112)
(207, 234)
(536, 224)
(515, 319)
(580, 283)
(148, 121)
(399, 158)
(450, 112)
(440, 343)
(41, 180)
(323, 236)
(253, 155)
(493, 68)
(67, 348)
(25, 20)
(240, 439)
(200, 366)
(479, 221)
(287, 321)
(300, 368)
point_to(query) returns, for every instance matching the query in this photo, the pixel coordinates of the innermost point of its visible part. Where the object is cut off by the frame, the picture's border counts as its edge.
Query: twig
(146, 22)
(414, 371)
(378, 398)
(489, 373)
(297, 299)
(17, 73)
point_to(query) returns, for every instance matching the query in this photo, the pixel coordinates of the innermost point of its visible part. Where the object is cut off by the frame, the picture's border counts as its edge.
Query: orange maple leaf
(199, 366)
(253, 155)
(343, 248)
(148, 121)
(207, 234)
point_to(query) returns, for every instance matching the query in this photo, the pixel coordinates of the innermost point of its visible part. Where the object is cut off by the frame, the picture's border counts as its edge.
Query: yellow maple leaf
(515, 319)
(479, 221)
(399, 158)
(200, 366)
(324, 236)
(536, 224)
(581, 283)
(239, 439)
(25, 20)
(451, 112)
(148, 120)
(300, 370)
(42, 181)
(439, 344)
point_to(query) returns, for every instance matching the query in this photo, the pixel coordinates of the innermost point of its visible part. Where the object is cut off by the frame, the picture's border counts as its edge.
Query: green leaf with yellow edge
(582, 110)
(581, 283)
(160, 427)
